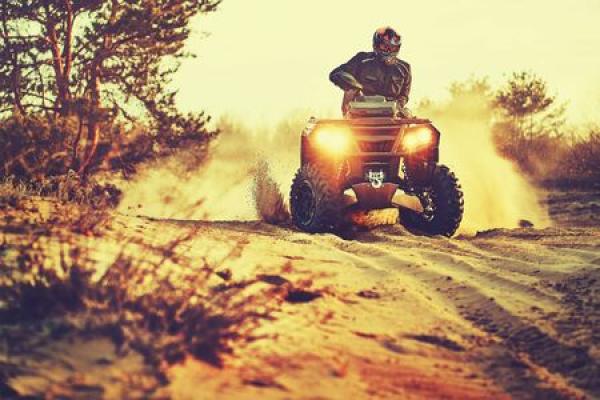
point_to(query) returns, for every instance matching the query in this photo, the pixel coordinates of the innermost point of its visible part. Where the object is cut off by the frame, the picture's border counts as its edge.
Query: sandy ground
(500, 314)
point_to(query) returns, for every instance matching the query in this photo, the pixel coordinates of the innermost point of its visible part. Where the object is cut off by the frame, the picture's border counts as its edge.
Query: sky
(261, 59)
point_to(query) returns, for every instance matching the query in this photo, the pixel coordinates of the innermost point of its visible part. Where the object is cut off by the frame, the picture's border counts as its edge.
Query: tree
(529, 122)
(96, 60)
(525, 102)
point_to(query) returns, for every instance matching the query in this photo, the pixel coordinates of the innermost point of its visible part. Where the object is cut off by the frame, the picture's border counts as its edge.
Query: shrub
(31, 147)
(34, 148)
(65, 188)
(540, 157)
(582, 161)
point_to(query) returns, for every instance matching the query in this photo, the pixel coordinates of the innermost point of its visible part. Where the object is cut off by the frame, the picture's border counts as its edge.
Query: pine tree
(96, 59)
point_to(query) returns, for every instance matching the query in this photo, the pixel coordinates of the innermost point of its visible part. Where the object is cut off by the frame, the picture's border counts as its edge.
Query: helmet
(386, 43)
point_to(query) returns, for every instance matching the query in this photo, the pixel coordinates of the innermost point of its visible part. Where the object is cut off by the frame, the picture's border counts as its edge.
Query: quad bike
(364, 160)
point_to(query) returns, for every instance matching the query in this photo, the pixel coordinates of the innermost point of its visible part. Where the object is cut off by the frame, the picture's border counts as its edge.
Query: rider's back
(392, 80)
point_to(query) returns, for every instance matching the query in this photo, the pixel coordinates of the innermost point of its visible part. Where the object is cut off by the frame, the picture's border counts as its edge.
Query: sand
(504, 313)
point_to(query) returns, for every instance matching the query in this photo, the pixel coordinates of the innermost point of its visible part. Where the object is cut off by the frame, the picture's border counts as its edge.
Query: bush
(34, 148)
(555, 160)
(540, 157)
(582, 161)
(31, 147)
(71, 187)
(65, 188)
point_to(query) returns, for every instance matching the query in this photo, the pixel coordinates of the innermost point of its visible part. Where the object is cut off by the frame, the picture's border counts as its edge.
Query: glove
(404, 112)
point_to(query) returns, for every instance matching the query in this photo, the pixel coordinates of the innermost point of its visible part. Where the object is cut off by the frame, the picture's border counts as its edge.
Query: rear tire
(316, 199)
(448, 203)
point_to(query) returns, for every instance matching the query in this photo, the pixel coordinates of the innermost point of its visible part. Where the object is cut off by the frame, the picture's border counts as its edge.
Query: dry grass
(555, 160)
(64, 188)
(583, 158)
(165, 309)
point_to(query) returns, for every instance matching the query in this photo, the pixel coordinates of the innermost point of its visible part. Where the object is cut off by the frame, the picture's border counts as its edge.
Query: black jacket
(376, 77)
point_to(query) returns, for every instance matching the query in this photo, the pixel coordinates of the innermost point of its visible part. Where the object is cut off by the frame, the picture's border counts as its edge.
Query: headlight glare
(417, 139)
(333, 140)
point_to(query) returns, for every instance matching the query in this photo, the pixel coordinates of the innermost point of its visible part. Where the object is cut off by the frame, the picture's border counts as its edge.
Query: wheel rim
(306, 203)
(430, 200)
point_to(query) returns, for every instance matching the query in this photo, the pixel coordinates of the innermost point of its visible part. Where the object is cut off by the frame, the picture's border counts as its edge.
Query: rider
(376, 73)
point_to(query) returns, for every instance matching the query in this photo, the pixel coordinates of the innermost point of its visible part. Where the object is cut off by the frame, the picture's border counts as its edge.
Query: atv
(364, 160)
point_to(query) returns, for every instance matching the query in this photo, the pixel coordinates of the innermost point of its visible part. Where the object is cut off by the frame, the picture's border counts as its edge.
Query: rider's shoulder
(364, 56)
(402, 65)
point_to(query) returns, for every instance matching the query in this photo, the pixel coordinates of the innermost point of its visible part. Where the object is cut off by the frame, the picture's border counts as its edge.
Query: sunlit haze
(264, 58)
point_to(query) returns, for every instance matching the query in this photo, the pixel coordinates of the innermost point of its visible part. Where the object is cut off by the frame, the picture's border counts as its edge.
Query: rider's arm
(405, 90)
(344, 76)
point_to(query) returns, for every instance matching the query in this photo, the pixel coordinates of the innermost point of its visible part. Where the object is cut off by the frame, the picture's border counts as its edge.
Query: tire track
(527, 361)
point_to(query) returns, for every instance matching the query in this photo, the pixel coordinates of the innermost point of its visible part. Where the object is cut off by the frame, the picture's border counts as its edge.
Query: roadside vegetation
(165, 307)
(84, 87)
(529, 128)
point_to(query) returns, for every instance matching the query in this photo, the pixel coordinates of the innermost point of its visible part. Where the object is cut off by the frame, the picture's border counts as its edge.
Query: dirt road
(501, 314)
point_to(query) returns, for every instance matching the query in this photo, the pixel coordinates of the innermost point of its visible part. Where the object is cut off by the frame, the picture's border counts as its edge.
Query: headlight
(333, 140)
(417, 139)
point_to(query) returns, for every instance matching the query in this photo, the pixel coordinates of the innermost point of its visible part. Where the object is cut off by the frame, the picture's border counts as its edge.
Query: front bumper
(370, 198)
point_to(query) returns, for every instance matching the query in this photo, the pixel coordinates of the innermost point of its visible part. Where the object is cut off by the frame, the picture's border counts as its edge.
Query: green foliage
(97, 60)
(583, 159)
(57, 53)
(31, 147)
(73, 188)
(527, 109)
(528, 127)
(69, 188)
(529, 124)
(524, 94)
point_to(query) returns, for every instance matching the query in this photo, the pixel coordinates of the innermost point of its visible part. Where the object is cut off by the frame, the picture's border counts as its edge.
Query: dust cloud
(249, 172)
(496, 194)
(246, 177)
(269, 200)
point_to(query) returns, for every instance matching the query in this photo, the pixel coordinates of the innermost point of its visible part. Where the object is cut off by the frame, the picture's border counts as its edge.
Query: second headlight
(416, 139)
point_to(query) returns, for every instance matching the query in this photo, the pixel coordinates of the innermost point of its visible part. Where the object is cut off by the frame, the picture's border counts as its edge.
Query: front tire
(315, 199)
(448, 204)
